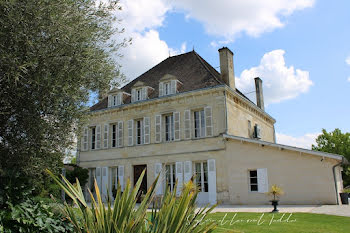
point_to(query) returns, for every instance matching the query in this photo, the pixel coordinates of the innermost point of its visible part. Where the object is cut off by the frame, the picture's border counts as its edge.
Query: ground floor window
(170, 176)
(253, 180)
(201, 172)
(114, 179)
(92, 175)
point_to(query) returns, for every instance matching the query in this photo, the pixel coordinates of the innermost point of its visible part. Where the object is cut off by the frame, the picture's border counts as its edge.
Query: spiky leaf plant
(174, 214)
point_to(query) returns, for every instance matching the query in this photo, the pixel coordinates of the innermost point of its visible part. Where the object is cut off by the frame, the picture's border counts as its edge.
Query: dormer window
(168, 85)
(140, 92)
(116, 97)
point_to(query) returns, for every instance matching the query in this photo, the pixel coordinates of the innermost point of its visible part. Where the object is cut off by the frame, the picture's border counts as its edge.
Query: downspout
(335, 179)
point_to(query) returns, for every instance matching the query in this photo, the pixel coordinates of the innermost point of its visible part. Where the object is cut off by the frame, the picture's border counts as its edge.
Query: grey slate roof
(189, 68)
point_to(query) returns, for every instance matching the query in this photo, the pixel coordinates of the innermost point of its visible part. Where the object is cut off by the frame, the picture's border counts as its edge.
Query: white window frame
(252, 177)
(202, 165)
(199, 132)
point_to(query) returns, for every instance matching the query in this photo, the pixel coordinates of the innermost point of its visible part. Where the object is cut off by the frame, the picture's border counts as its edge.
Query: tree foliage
(335, 142)
(52, 55)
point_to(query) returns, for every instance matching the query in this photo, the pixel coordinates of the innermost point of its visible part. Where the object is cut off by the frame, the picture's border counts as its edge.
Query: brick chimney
(226, 67)
(259, 93)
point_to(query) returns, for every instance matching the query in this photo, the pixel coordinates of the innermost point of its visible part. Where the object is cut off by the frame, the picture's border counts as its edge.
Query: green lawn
(267, 222)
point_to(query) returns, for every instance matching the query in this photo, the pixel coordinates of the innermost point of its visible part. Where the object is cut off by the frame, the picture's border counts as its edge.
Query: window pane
(253, 173)
(196, 125)
(114, 135)
(202, 123)
(205, 173)
(254, 187)
(93, 137)
(253, 180)
(198, 175)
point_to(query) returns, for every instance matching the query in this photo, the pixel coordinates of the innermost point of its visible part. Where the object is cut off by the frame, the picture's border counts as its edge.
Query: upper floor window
(93, 138)
(139, 131)
(169, 127)
(199, 124)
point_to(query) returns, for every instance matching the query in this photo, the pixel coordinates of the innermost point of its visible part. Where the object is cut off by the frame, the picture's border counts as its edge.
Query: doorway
(138, 169)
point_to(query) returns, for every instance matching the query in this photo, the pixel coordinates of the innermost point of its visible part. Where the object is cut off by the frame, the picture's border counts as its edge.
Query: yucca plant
(174, 214)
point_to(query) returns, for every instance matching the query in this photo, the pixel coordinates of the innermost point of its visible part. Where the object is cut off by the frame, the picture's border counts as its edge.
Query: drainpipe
(335, 178)
(226, 123)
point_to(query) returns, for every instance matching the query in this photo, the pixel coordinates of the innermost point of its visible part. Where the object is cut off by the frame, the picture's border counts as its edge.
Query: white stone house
(184, 116)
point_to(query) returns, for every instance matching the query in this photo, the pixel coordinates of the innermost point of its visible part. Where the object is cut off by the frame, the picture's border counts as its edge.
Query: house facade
(183, 118)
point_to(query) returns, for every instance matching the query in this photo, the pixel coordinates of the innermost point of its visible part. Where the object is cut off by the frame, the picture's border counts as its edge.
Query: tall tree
(52, 55)
(335, 142)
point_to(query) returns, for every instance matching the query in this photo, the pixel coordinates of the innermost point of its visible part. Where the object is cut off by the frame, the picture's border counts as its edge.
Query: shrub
(33, 216)
(176, 214)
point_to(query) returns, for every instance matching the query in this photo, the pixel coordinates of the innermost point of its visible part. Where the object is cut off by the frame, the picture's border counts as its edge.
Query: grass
(267, 222)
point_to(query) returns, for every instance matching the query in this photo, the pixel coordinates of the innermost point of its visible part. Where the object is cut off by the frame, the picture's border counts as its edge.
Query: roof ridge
(200, 60)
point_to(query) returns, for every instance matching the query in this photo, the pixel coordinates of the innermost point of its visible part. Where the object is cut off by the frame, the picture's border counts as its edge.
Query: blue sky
(299, 49)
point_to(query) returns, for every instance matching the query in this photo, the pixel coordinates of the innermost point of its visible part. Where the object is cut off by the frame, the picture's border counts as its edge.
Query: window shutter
(130, 132)
(176, 126)
(212, 181)
(105, 136)
(84, 140)
(187, 171)
(158, 128)
(117, 102)
(157, 171)
(110, 100)
(173, 89)
(104, 184)
(133, 95)
(144, 93)
(263, 185)
(98, 178)
(146, 130)
(121, 177)
(98, 137)
(208, 121)
(160, 89)
(179, 177)
(120, 134)
(187, 124)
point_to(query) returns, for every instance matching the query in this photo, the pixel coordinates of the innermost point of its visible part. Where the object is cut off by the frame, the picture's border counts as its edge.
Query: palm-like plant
(175, 214)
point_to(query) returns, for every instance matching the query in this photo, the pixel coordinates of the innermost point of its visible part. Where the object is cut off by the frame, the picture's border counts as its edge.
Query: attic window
(115, 99)
(168, 87)
(138, 94)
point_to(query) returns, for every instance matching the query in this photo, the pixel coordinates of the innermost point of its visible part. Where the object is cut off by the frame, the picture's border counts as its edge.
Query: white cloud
(279, 81)
(223, 18)
(349, 79)
(304, 141)
(146, 51)
(229, 18)
(347, 60)
(140, 19)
